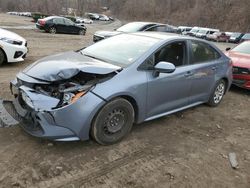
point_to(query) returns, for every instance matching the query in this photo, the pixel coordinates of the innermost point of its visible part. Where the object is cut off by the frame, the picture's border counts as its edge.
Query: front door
(169, 91)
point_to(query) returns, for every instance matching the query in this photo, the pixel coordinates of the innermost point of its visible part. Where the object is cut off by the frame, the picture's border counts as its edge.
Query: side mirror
(164, 67)
(227, 49)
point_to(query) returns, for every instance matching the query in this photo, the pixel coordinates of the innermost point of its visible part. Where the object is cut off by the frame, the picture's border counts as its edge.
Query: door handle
(214, 68)
(188, 74)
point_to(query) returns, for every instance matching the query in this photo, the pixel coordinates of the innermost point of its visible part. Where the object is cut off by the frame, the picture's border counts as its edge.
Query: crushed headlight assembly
(11, 41)
(27, 99)
(72, 94)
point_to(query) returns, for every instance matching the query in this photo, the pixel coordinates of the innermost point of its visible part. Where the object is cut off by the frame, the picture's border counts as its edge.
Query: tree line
(223, 14)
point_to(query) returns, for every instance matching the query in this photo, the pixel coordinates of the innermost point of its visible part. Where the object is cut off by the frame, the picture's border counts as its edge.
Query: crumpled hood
(107, 34)
(8, 34)
(66, 65)
(239, 60)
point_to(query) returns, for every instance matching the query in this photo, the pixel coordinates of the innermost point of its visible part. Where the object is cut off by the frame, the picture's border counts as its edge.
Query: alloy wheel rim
(53, 30)
(219, 92)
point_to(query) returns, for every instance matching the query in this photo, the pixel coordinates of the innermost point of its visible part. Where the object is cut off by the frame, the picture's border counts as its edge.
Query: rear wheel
(2, 57)
(218, 93)
(113, 122)
(82, 32)
(52, 30)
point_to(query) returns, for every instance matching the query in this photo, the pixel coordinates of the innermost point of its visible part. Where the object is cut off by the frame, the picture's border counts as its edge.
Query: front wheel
(2, 57)
(82, 32)
(218, 93)
(113, 122)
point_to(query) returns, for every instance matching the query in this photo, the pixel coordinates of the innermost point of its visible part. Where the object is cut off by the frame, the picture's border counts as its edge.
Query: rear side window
(202, 52)
(58, 21)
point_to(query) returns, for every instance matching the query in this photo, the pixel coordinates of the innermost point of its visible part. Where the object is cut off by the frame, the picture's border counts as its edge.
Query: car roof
(51, 17)
(163, 35)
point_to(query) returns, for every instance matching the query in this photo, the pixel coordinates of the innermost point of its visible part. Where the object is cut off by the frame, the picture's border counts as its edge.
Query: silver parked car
(102, 90)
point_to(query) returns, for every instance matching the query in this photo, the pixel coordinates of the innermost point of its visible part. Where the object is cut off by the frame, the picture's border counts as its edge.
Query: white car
(13, 48)
(103, 17)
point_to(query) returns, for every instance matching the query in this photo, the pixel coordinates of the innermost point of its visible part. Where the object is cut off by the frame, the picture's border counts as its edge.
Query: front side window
(68, 22)
(172, 53)
(202, 52)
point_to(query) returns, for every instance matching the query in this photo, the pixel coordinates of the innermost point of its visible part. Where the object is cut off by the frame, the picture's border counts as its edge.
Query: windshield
(194, 30)
(246, 36)
(243, 48)
(121, 50)
(235, 35)
(131, 27)
(203, 31)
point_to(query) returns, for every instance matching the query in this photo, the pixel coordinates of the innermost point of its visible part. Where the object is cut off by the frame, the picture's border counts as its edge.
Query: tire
(82, 32)
(52, 30)
(2, 57)
(113, 122)
(218, 93)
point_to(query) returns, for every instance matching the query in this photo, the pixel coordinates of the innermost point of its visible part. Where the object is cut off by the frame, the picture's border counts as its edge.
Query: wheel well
(226, 81)
(134, 104)
(5, 56)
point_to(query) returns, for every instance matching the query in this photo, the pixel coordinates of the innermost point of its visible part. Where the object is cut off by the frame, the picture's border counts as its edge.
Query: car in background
(103, 17)
(184, 29)
(240, 56)
(203, 32)
(57, 24)
(218, 37)
(134, 27)
(13, 48)
(92, 16)
(193, 31)
(236, 37)
(81, 94)
(245, 37)
(83, 20)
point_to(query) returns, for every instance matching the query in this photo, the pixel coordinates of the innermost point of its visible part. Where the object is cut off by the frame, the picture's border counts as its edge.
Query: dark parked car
(56, 24)
(135, 27)
(236, 37)
(102, 90)
(245, 37)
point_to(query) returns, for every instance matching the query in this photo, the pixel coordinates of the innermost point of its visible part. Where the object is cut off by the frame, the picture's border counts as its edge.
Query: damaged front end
(62, 109)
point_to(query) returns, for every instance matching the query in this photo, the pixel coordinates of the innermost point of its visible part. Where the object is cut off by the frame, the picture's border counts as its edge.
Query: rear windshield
(131, 27)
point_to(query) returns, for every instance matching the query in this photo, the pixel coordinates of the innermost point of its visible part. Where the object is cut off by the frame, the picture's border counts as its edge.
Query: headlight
(11, 41)
(69, 98)
(26, 99)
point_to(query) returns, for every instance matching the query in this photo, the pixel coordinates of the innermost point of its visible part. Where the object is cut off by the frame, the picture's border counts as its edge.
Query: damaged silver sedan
(101, 90)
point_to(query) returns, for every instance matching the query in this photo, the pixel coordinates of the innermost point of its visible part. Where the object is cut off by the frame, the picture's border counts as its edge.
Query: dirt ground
(186, 149)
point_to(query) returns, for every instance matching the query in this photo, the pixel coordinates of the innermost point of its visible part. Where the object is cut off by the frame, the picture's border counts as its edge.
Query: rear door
(204, 62)
(59, 24)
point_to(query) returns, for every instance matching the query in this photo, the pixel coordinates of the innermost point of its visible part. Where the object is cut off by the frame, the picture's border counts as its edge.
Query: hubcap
(219, 92)
(114, 122)
(53, 30)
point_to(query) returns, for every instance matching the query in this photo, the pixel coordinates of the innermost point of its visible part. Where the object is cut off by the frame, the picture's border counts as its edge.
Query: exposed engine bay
(58, 93)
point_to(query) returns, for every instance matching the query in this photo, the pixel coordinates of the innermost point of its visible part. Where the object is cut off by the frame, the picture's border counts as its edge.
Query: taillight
(42, 22)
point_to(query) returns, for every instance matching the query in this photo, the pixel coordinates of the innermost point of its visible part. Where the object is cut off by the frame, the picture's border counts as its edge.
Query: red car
(240, 56)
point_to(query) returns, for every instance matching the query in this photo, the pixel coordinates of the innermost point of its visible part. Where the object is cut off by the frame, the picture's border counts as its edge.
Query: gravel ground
(186, 149)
